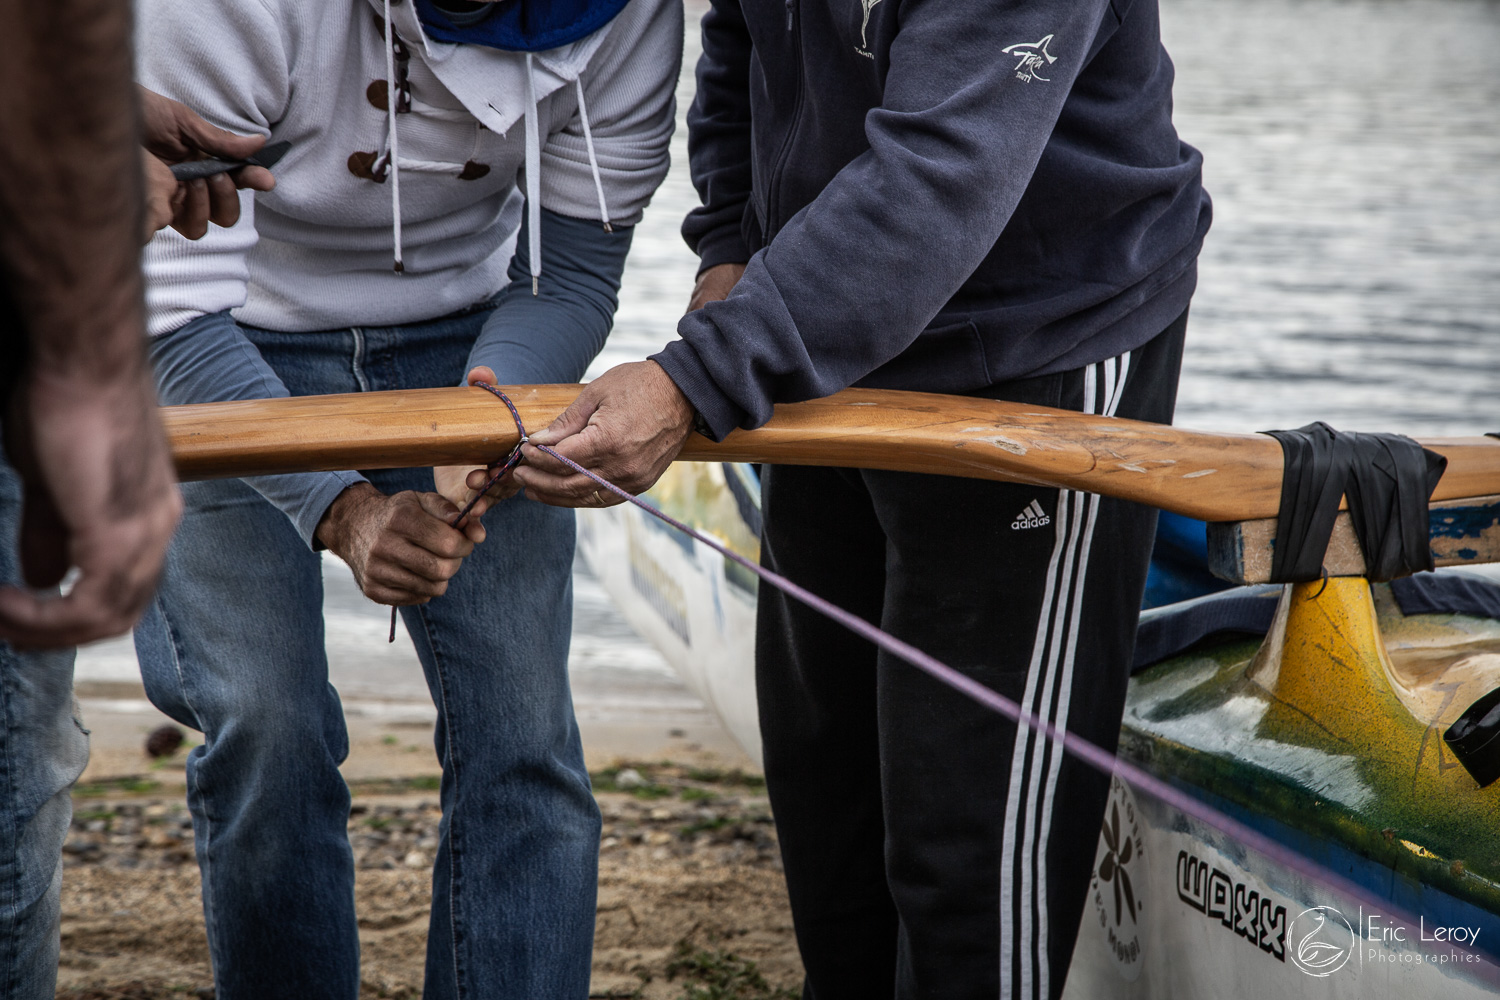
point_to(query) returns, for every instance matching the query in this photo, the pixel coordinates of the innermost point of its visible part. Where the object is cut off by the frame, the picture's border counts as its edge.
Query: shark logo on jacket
(1031, 57)
(863, 48)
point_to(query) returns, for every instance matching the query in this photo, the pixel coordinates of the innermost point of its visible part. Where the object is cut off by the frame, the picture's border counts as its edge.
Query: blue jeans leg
(233, 647)
(515, 881)
(43, 750)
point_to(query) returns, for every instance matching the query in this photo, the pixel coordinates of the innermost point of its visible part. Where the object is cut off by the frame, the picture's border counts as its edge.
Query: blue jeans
(233, 646)
(43, 749)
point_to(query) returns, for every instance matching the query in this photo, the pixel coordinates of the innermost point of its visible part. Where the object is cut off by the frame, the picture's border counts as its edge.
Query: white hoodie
(317, 252)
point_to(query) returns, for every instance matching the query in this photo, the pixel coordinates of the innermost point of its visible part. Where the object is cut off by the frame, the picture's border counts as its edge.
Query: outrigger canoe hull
(1326, 735)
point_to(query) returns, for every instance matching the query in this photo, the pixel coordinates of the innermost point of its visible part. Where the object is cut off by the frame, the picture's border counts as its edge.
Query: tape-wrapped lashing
(1387, 478)
(1474, 738)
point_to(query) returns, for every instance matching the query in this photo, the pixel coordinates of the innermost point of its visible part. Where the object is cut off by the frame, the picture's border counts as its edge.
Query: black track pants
(930, 852)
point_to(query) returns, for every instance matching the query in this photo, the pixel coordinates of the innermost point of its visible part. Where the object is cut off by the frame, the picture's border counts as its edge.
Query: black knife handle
(193, 169)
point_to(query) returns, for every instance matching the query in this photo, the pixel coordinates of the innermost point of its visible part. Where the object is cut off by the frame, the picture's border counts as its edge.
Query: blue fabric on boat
(1165, 632)
(1447, 593)
(1179, 562)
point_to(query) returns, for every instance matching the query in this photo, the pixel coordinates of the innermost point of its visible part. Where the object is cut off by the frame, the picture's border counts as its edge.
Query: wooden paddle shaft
(1212, 476)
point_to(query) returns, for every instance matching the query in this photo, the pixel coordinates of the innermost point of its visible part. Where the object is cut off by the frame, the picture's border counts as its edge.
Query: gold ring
(595, 498)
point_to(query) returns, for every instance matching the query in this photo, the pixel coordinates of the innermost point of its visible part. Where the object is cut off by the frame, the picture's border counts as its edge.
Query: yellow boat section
(1333, 728)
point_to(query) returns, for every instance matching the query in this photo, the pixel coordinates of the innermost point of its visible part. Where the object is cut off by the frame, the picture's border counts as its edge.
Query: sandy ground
(691, 894)
(692, 905)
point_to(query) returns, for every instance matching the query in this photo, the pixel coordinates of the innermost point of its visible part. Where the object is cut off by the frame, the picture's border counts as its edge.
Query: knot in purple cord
(511, 461)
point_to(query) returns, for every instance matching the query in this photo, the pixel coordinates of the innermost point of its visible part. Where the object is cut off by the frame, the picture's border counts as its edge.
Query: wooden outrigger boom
(1211, 476)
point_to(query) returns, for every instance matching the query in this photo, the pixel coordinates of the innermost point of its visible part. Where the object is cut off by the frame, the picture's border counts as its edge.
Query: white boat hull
(1211, 919)
(1215, 920)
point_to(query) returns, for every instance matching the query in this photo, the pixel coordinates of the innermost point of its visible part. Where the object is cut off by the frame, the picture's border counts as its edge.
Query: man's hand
(459, 483)
(714, 284)
(626, 426)
(174, 133)
(98, 494)
(165, 197)
(400, 547)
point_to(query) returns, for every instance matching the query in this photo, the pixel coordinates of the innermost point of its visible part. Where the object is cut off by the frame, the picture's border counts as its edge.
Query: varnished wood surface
(1213, 476)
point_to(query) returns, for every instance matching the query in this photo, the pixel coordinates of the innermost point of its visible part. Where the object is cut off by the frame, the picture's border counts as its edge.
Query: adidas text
(1032, 517)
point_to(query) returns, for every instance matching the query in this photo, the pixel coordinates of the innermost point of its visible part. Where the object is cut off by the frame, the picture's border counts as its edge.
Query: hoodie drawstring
(588, 142)
(394, 155)
(533, 180)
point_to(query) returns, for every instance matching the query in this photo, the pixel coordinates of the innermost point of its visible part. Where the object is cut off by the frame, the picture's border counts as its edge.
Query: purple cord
(511, 461)
(1091, 753)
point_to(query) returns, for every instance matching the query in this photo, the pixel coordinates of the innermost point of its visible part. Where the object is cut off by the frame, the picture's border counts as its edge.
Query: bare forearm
(70, 186)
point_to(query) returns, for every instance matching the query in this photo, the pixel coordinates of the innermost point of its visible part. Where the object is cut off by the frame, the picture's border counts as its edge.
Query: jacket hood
(521, 25)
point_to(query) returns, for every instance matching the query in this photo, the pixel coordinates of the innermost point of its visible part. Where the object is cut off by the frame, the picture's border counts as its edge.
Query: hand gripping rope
(1097, 757)
(511, 461)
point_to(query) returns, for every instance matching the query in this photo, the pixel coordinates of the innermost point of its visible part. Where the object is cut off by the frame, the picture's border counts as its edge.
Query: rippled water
(1353, 271)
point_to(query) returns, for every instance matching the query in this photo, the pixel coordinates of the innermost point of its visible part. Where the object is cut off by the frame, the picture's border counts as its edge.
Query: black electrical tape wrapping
(1474, 738)
(1387, 478)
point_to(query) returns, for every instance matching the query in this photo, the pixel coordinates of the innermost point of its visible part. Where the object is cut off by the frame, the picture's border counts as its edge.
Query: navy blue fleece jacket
(930, 194)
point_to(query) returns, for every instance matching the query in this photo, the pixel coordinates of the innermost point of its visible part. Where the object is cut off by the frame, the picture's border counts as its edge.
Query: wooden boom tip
(1211, 476)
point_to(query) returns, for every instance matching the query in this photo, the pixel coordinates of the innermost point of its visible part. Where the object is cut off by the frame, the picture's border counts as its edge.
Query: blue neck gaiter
(518, 25)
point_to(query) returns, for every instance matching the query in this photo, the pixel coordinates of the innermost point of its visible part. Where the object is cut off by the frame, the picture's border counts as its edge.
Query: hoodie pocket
(948, 358)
